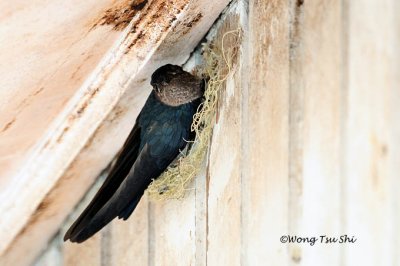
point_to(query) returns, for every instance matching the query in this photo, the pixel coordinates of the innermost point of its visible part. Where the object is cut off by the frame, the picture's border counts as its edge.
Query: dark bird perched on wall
(161, 130)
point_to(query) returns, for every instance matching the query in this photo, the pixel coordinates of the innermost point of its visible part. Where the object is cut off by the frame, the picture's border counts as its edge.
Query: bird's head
(173, 86)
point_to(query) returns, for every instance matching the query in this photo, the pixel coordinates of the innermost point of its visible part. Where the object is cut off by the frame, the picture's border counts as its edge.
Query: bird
(162, 129)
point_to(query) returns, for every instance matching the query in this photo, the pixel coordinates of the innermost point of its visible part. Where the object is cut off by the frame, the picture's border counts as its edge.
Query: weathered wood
(315, 138)
(129, 240)
(201, 218)
(265, 137)
(88, 253)
(147, 42)
(53, 255)
(172, 239)
(223, 170)
(38, 77)
(74, 183)
(372, 134)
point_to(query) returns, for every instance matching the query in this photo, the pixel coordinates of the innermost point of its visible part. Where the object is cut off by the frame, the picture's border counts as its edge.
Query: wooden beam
(74, 146)
(42, 76)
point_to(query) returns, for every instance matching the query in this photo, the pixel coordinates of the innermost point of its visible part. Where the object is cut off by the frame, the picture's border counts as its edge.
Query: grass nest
(218, 65)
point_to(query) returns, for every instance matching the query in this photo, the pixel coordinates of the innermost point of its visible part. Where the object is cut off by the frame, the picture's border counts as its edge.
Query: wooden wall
(307, 143)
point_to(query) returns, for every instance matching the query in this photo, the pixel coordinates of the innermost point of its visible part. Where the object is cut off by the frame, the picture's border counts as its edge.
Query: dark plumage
(160, 132)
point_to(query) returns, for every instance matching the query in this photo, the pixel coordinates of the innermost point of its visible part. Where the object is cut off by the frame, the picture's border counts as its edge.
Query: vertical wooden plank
(394, 136)
(296, 130)
(372, 133)
(316, 82)
(53, 254)
(87, 253)
(265, 135)
(224, 174)
(128, 240)
(200, 193)
(172, 232)
(201, 218)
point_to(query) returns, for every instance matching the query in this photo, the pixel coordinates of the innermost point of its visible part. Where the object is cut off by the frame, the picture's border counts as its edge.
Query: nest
(218, 62)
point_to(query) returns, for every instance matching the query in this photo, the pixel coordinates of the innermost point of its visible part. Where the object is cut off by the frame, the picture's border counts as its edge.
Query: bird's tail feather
(123, 201)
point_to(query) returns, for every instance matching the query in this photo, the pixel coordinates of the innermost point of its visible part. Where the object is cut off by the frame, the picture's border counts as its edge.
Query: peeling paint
(158, 15)
(139, 5)
(193, 22)
(120, 16)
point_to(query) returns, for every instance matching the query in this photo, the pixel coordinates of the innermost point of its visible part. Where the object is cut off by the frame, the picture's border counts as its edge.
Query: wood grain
(372, 134)
(38, 78)
(316, 76)
(129, 240)
(223, 172)
(266, 138)
(88, 253)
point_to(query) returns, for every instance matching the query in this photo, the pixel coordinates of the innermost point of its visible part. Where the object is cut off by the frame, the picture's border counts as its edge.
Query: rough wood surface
(316, 123)
(53, 255)
(173, 232)
(372, 134)
(129, 240)
(89, 253)
(265, 147)
(44, 62)
(223, 170)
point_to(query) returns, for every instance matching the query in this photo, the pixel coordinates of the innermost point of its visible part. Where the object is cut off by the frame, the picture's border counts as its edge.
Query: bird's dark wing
(159, 151)
(119, 171)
